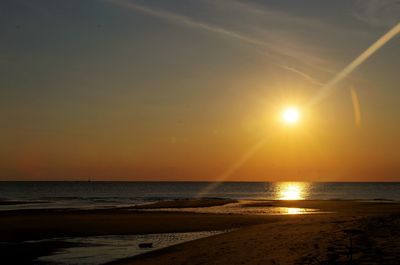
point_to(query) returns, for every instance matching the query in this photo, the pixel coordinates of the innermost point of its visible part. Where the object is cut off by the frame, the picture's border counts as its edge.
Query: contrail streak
(259, 45)
(180, 19)
(308, 77)
(354, 64)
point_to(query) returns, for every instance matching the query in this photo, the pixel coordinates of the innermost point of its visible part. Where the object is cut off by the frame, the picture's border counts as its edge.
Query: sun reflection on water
(291, 191)
(295, 210)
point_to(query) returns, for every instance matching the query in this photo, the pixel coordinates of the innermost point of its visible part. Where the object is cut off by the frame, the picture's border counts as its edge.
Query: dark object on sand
(351, 233)
(145, 245)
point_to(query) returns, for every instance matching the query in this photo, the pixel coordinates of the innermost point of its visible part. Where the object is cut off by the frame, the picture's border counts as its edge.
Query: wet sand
(374, 229)
(339, 207)
(8, 202)
(185, 203)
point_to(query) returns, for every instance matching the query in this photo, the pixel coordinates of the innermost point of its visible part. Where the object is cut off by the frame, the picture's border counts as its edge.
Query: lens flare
(356, 106)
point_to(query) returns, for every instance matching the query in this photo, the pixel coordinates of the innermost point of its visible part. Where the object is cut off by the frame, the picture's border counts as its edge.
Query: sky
(156, 90)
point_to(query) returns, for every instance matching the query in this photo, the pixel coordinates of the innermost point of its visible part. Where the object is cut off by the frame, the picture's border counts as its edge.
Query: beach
(187, 132)
(319, 238)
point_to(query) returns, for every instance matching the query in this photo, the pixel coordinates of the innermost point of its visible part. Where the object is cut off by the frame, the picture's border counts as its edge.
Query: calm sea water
(109, 194)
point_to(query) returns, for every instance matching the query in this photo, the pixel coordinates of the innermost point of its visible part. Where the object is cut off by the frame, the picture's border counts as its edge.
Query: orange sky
(152, 91)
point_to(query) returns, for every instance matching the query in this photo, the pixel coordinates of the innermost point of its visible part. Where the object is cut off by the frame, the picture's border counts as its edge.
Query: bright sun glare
(290, 115)
(292, 191)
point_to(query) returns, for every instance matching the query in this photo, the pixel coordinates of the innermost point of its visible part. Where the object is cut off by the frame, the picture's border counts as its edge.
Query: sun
(290, 115)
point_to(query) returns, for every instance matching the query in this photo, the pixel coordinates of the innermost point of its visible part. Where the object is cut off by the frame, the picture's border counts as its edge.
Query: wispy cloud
(291, 34)
(378, 12)
(271, 15)
(273, 47)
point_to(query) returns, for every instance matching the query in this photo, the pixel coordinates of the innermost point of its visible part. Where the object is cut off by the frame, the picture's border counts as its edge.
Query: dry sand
(354, 232)
(373, 227)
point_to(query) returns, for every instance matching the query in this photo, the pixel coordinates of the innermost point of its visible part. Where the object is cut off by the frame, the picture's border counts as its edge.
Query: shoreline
(23, 225)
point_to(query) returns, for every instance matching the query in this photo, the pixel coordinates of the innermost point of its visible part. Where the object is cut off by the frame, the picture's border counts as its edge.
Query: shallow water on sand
(240, 208)
(104, 249)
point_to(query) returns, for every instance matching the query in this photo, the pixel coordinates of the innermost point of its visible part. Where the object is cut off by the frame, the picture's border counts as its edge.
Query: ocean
(115, 194)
